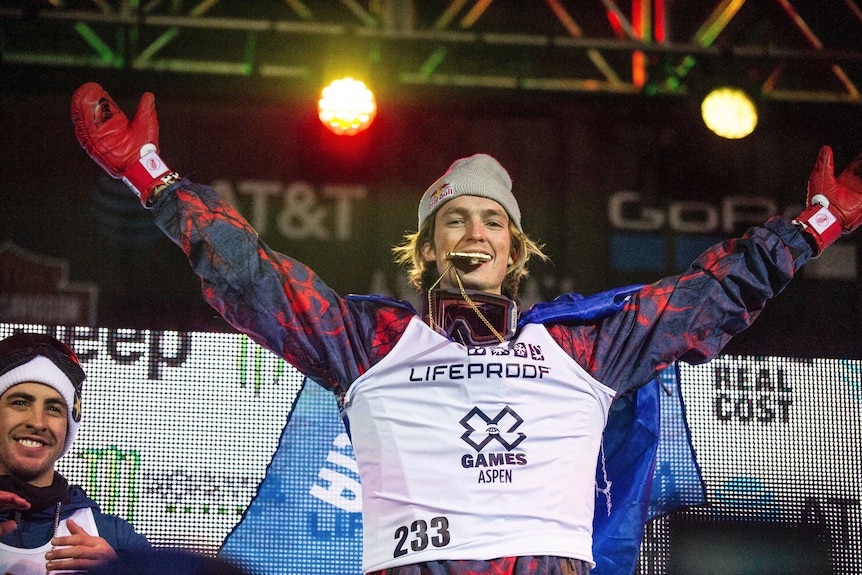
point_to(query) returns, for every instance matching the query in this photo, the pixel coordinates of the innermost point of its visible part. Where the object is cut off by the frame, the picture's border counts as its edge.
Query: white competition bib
(20, 561)
(476, 452)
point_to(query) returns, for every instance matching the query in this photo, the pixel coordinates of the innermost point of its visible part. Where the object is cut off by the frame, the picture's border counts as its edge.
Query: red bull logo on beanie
(441, 193)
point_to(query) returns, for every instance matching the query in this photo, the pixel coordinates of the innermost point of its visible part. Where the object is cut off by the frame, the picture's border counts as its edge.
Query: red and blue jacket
(284, 306)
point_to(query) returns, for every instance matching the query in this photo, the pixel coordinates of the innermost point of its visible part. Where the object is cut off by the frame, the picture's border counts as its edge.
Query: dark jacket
(36, 529)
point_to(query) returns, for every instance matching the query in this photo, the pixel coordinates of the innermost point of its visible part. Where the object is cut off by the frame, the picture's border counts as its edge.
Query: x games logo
(481, 429)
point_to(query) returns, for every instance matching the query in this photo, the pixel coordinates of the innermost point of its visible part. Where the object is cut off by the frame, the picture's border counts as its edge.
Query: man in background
(45, 523)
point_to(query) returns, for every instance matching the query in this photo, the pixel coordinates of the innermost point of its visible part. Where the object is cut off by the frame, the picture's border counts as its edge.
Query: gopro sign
(629, 211)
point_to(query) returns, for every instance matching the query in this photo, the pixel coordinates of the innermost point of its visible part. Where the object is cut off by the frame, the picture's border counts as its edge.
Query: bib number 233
(419, 534)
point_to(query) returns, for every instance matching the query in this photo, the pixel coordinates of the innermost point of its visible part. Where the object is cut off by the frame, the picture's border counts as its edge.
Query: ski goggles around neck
(490, 319)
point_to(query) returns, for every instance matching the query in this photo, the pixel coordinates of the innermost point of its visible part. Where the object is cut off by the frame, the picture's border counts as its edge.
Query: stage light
(346, 107)
(729, 112)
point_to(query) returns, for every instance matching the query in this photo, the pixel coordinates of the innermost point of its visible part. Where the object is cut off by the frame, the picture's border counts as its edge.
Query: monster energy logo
(850, 374)
(253, 361)
(111, 479)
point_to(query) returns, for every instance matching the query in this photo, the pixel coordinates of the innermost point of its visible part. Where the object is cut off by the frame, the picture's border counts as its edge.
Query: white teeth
(30, 443)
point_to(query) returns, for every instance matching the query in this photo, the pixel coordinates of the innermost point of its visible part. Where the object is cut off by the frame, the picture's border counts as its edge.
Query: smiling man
(467, 383)
(47, 524)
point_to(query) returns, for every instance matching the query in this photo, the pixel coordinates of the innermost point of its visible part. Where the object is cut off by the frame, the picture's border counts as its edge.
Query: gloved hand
(834, 205)
(125, 150)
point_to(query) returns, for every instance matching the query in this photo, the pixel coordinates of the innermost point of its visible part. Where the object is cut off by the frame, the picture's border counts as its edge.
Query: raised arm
(276, 300)
(691, 317)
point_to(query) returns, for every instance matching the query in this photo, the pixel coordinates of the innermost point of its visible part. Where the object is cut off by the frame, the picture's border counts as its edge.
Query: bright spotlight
(729, 112)
(346, 107)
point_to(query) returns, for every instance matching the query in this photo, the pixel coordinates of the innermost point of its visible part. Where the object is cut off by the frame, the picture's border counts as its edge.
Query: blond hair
(422, 274)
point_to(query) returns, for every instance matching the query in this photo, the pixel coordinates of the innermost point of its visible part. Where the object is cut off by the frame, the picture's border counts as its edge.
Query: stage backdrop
(205, 441)
(620, 191)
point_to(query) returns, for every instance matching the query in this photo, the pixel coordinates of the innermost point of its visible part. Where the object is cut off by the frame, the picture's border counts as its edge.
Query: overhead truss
(796, 50)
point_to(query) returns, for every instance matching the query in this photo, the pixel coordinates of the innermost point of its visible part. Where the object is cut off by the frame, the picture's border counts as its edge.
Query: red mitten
(124, 150)
(834, 204)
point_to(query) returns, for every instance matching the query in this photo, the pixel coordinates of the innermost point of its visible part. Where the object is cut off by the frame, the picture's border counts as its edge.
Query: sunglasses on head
(20, 348)
(479, 318)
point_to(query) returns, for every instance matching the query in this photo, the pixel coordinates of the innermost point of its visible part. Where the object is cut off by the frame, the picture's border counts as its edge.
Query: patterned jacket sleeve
(274, 299)
(692, 316)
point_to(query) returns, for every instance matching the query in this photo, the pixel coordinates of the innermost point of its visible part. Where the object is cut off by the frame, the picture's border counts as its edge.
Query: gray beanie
(478, 175)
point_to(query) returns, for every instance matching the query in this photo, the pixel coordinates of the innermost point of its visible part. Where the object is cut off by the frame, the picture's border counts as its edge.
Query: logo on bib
(482, 429)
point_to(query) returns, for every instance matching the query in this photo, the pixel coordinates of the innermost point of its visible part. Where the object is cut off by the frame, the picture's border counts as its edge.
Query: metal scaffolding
(778, 49)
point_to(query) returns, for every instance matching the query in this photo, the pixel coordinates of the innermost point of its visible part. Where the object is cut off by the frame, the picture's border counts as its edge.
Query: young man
(429, 395)
(47, 524)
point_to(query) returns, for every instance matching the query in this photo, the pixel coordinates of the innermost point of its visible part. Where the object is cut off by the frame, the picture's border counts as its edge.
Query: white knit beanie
(478, 175)
(40, 369)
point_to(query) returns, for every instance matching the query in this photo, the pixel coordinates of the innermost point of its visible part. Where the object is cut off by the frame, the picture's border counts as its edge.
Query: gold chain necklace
(466, 298)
